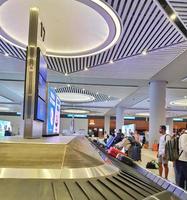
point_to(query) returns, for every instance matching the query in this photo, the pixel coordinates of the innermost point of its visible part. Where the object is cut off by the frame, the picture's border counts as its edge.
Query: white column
(119, 118)
(107, 124)
(169, 122)
(157, 96)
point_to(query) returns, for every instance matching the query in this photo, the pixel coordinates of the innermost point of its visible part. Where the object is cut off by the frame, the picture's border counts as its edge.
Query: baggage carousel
(72, 168)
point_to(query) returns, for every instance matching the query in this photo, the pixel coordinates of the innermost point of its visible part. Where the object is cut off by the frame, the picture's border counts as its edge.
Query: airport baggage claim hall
(89, 91)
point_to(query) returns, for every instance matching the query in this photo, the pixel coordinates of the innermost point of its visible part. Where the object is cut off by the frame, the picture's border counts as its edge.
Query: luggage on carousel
(125, 159)
(110, 142)
(114, 152)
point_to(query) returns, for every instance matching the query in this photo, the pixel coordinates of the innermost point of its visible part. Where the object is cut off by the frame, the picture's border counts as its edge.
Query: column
(169, 122)
(107, 124)
(157, 96)
(119, 118)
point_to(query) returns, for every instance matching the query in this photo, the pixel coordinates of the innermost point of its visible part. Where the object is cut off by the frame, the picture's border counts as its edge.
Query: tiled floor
(148, 155)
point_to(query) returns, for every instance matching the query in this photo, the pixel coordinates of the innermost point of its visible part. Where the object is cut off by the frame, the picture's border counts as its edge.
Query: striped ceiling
(145, 26)
(180, 7)
(98, 96)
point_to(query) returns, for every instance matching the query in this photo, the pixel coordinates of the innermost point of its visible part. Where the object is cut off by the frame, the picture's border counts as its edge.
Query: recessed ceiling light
(111, 62)
(97, 93)
(86, 69)
(144, 52)
(6, 54)
(83, 89)
(173, 16)
(68, 85)
(108, 96)
(65, 74)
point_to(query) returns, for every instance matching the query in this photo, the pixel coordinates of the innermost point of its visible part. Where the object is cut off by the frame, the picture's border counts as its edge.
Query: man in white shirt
(181, 163)
(162, 160)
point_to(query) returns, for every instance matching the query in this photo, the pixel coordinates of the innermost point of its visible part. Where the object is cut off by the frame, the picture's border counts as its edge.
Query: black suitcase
(125, 159)
(135, 152)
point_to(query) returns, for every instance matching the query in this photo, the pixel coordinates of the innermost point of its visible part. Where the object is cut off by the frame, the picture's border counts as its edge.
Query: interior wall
(15, 122)
(81, 126)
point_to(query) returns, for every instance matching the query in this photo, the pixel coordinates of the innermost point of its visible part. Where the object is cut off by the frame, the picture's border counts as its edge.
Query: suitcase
(134, 152)
(114, 152)
(110, 142)
(125, 159)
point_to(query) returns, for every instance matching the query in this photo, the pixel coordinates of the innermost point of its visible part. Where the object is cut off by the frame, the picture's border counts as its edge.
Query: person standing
(181, 163)
(162, 160)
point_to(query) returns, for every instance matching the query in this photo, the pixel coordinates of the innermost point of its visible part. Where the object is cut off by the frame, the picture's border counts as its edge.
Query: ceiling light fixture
(75, 111)
(75, 97)
(173, 16)
(65, 74)
(68, 85)
(179, 102)
(6, 54)
(86, 69)
(111, 62)
(142, 114)
(144, 52)
(97, 93)
(4, 109)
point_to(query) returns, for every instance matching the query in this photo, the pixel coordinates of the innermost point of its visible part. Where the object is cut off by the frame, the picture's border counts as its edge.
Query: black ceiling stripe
(160, 35)
(163, 36)
(128, 25)
(170, 35)
(146, 24)
(140, 24)
(118, 4)
(154, 34)
(61, 65)
(129, 39)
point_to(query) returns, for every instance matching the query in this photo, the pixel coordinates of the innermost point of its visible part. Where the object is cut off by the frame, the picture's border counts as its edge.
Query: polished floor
(148, 155)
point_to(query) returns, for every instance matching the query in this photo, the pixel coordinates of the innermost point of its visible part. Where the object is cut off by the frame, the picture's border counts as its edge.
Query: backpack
(172, 149)
(152, 165)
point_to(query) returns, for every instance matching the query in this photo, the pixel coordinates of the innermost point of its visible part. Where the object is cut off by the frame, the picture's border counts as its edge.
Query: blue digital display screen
(43, 67)
(41, 110)
(41, 88)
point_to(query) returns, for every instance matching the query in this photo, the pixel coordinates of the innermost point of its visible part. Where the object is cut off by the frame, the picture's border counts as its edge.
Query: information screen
(128, 129)
(4, 125)
(41, 110)
(53, 114)
(40, 97)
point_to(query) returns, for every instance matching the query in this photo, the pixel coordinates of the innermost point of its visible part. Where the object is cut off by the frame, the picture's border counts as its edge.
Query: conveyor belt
(124, 184)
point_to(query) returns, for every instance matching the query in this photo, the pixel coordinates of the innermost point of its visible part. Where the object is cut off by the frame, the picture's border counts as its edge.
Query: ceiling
(145, 25)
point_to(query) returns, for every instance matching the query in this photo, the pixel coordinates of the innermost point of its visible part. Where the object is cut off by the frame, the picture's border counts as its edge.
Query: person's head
(162, 129)
(8, 128)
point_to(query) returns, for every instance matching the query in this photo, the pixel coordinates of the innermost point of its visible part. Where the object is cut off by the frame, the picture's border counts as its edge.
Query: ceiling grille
(145, 26)
(98, 96)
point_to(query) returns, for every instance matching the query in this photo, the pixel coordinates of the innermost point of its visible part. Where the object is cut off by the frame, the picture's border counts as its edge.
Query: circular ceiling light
(75, 111)
(179, 102)
(75, 97)
(62, 37)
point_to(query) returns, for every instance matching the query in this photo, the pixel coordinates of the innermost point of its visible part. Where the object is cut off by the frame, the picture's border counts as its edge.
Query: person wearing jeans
(181, 163)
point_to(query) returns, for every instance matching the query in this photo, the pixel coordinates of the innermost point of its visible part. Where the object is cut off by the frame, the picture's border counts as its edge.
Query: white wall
(80, 125)
(15, 122)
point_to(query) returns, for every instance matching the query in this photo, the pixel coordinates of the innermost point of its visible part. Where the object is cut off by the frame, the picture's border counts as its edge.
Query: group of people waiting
(180, 165)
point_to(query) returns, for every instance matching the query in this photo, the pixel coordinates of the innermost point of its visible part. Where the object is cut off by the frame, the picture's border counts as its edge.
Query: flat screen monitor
(42, 67)
(41, 88)
(41, 110)
(53, 113)
(128, 129)
(4, 125)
